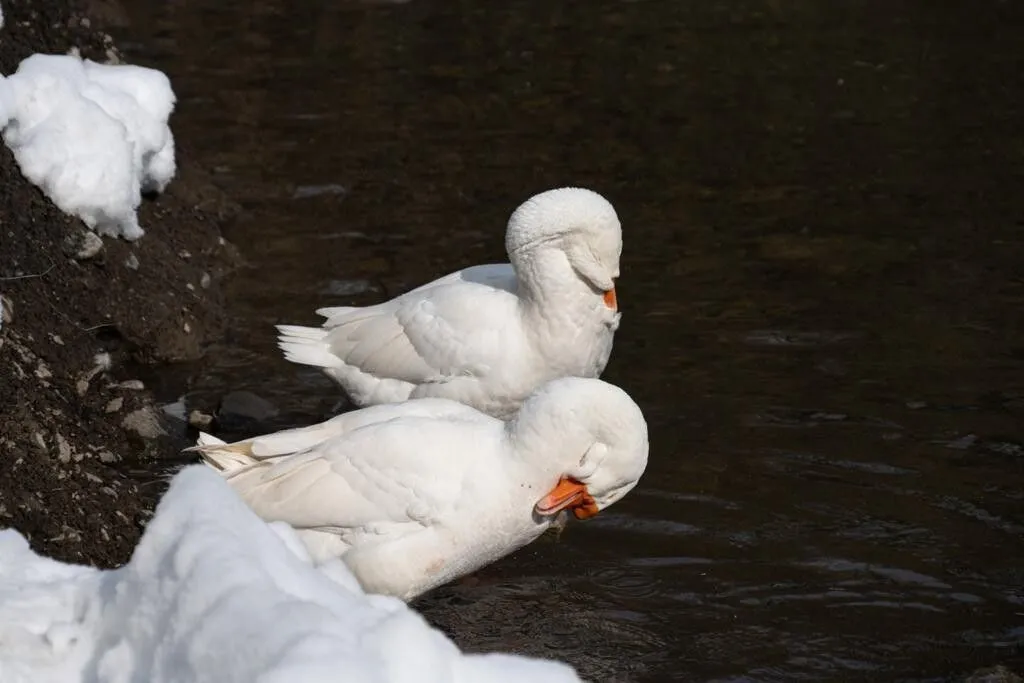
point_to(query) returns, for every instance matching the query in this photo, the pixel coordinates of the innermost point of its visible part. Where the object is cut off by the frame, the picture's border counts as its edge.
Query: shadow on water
(821, 288)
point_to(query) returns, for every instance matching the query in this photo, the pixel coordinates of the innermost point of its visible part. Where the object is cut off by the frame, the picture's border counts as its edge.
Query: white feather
(411, 495)
(487, 335)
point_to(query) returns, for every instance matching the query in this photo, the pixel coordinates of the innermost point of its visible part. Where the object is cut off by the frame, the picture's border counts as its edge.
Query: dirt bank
(74, 416)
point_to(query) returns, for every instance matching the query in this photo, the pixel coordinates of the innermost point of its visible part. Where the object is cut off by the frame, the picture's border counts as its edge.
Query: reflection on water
(821, 291)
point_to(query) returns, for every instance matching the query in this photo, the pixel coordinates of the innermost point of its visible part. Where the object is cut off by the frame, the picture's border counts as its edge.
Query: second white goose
(413, 495)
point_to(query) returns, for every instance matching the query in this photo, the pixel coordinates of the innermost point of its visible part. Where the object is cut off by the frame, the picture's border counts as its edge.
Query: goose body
(487, 335)
(415, 494)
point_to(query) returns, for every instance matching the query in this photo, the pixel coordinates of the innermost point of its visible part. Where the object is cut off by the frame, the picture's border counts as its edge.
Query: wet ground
(77, 318)
(821, 288)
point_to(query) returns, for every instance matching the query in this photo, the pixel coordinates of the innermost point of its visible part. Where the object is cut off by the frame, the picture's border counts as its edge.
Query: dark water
(822, 294)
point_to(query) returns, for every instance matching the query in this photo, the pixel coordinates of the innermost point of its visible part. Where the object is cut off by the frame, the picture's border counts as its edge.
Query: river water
(821, 291)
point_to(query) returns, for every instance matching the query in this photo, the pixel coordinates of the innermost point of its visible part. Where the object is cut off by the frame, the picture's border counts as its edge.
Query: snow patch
(212, 593)
(92, 136)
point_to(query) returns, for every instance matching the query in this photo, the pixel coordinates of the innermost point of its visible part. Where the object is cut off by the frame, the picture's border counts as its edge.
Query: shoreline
(78, 317)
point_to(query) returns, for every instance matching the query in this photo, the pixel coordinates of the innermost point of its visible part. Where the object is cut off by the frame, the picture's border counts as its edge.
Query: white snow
(91, 136)
(212, 593)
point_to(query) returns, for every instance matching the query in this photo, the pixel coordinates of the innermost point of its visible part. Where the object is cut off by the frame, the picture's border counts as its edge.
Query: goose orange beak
(568, 494)
(610, 299)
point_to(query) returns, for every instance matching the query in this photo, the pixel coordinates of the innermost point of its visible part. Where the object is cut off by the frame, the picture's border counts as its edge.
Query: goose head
(581, 224)
(590, 436)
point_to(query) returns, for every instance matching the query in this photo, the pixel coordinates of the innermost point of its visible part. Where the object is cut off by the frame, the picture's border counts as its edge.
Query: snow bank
(214, 594)
(92, 136)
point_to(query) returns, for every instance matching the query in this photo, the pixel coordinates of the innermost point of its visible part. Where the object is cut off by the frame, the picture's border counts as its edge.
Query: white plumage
(487, 335)
(415, 494)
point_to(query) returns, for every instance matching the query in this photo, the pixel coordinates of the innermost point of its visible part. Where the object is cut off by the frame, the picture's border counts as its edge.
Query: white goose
(488, 335)
(413, 495)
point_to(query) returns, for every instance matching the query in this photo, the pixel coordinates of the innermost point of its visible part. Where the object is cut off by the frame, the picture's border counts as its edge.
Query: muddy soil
(76, 330)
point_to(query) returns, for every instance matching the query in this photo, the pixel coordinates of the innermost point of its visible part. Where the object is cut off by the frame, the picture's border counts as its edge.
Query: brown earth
(69, 427)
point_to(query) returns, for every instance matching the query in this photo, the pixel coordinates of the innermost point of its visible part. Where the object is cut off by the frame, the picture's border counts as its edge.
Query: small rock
(84, 245)
(245, 406)
(40, 441)
(204, 281)
(93, 478)
(132, 261)
(56, 339)
(200, 420)
(145, 422)
(42, 371)
(132, 384)
(107, 457)
(63, 449)
(6, 310)
(114, 404)
(102, 364)
(176, 409)
(185, 254)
